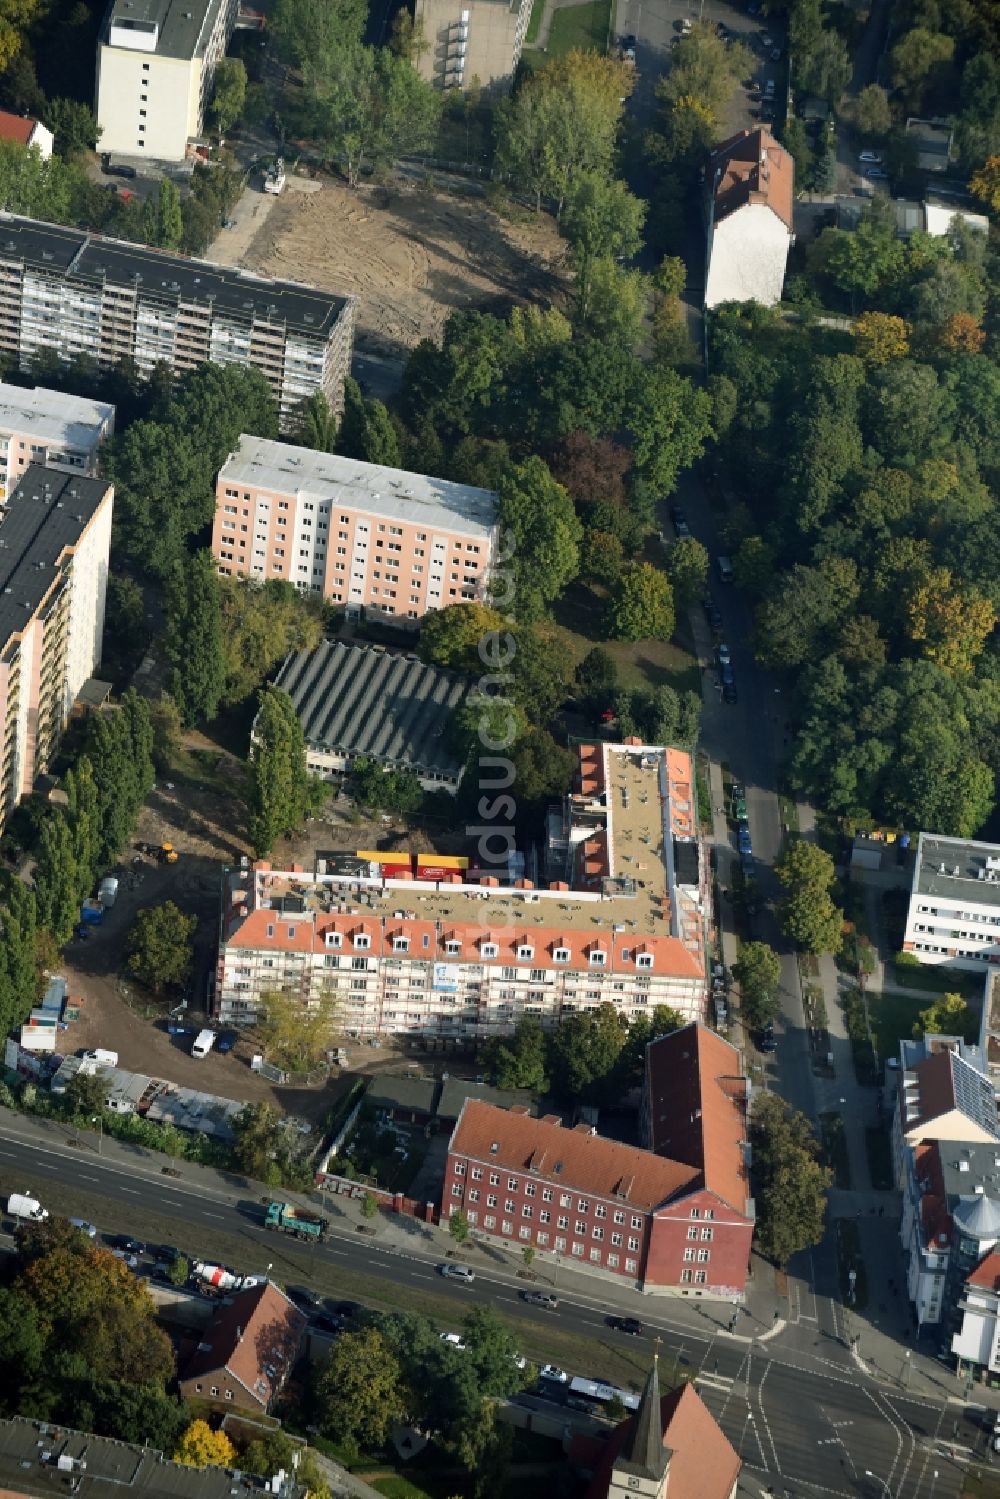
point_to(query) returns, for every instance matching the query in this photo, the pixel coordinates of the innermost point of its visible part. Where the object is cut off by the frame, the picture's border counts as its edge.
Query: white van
(101, 1057)
(203, 1043)
(20, 1205)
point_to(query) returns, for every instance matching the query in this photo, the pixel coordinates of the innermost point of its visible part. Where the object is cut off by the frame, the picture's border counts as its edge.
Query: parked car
(748, 867)
(577, 1403)
(725, 655)
(870, 158)
(739, 805)
(84, 1227)
(128, 1259)
(766, 1041)
(877, 174)
(554, 1373)
(307, 1299)
(455, 1271)
(541, 1298)
(453, 1338)
(131, 1246)
(677, 514)
(226, 1040)
(323, 1322)
(769, 88)
(729, 693)
(743, 842)
(683, 529)
(726, 673)
(712, 612)
(631, 1325)
(775, 54)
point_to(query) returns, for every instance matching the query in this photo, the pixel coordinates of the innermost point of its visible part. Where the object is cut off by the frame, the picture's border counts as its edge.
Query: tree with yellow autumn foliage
(951, 623)
(961, 334)
(201, 1447)
(986, 183)
(881, 337)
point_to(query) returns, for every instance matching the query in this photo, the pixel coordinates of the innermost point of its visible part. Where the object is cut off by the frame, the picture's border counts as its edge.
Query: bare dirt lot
(410, 255)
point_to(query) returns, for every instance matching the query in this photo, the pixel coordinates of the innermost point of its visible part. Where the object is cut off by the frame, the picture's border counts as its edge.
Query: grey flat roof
(437, 504)
(455, 1090)
(47, 513)
(391, 1092)
(181, 23)
(52, 415)
(353, 700)
(30, 1453)
(939, 858)
(964, 1167)
(91, 258)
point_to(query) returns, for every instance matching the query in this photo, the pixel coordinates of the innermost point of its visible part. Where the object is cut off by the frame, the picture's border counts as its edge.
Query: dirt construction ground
(410, 255)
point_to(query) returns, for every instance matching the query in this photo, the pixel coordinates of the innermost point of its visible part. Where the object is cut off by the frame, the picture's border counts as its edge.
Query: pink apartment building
(364, 536)
(52, 428)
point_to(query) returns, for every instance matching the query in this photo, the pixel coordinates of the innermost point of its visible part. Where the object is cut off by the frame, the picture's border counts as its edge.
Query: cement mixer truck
(218, 1278)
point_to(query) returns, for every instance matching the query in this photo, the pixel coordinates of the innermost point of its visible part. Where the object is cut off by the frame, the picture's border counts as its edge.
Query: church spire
(644, 1450)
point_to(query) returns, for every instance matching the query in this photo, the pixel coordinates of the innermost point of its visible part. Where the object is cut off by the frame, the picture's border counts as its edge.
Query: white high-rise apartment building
(954, 912)
(155, 64)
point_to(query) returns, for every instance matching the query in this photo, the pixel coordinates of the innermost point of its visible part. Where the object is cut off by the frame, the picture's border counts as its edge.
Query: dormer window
(453, 948)
(400, 944)
(644, 960)
(489, 949)
(561, 954)
(333, 939)
(526, 953)
(598, 957)
(362, 942)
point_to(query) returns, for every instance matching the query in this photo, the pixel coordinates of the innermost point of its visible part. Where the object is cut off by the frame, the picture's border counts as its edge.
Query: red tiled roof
(255, 1337)
(703, 1464)
(567, 1157)
(987, 1273)
(935, 1219)
(15, 128)
(752, 168)
(696, 1099)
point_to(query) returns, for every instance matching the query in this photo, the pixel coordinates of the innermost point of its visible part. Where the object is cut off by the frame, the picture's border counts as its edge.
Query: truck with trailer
(28, 1209)
(295, 1221)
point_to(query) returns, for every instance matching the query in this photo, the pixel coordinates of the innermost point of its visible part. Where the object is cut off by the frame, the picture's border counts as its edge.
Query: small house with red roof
(751, 194)
(26, 132)
(247, 1350)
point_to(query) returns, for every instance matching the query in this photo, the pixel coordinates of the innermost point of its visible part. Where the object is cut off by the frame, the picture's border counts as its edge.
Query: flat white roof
(73, 421)
(417, 499)
(938, 217)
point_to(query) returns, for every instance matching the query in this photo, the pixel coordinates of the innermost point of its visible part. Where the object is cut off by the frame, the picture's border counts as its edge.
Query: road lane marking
(131, 1191)
(90, 1179)
(220, 1216)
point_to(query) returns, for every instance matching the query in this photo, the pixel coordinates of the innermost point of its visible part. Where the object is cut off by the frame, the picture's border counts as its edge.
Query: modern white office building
(156, 60)
(954, 912)
(51, 428)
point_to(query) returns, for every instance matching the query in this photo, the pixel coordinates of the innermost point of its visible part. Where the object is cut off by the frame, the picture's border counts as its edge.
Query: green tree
(201, 1447)
(541, 537)
(466, 637)
(687, 569)
(918, 60)
(562, 122)
(491, 1348)
(179, 1271)
(366, 429)
(808, 913)
(259, 1142)
(670, 422)
(359, 1394)
(520, 1060)
(757, 970)
(871, 112)
(601, 219)
(311, 34)
(458, 1227)
(297, 1036)
(642, 605)
(267, 1455)
(369, 1207)
(318, 425)
(74, 126)
(597, 677)
(543, 769)
(163, 494)
(370, 108)
(826, 68)
(790, 1186)
(279, 793)
(262, 622)
(950, 1015)
(57, 878)
(86, 1095)
(585, 1055)
(169, 223)
(193, 638)
(159, 947)
(229, 94)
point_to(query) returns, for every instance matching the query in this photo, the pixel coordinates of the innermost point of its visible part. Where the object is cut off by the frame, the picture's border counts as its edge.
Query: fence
(392, 1202)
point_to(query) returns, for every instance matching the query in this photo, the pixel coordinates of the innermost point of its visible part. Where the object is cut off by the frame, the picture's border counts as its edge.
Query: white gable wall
(747, 255)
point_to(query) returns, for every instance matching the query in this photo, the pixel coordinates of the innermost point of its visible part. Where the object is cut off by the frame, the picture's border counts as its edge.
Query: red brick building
(668, 1224)
(694, 1110)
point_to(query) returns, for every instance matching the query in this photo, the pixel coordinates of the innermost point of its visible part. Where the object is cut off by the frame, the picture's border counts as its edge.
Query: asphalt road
(800, 1418)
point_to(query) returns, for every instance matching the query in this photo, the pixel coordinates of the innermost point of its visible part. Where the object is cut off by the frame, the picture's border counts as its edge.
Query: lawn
(893, 1018)
(586, 27)
(641, 663)
(935, 980)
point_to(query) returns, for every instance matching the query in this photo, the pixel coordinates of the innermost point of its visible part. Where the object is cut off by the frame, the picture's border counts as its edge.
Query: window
(633, 1243)
(597, 1233)
(636, 1222)
(460, 1168)
(544, 1217)
(541, 1240)
(685, 1277)
(491, 1200)
(529, 1189)
(630, 1266)
(477, 1173)
(489, 1222)
(510, 1206)
(706, 1233)
(215, 1389)
(473, 1195)
(526, 954)
(565, 1200)
(456, 1189)
(704, 1255)
(562, 1222)
(619, 1217)
(689, 1256)
(512, 1184)
(561, 954)
(494, 1179)
(525, 1233)
(612, 1262)
(583, 1206)
(616, 1240)
(578, 1250)
(507, 1227)
(692, 1233)
(600, 1211)
(581, 1226)
(546, 1194)
(700, 1277)
(696, 1212)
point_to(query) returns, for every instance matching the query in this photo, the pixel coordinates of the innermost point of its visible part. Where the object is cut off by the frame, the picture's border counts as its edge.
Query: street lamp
(96, 1119)
(885, 1487)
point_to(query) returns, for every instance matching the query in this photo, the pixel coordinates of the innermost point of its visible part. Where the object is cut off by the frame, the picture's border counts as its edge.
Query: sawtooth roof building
(677, 1223)
(357, 702)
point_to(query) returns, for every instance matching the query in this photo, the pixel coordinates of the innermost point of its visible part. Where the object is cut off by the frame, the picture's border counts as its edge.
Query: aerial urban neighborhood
(500, 701)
